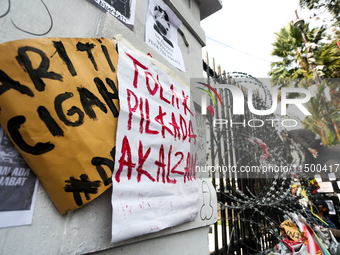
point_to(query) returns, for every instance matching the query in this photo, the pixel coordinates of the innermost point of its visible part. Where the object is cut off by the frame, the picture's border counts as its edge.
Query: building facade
(88, 230)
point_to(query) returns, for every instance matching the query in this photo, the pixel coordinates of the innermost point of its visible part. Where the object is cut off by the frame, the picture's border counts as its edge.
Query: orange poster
(59, 106)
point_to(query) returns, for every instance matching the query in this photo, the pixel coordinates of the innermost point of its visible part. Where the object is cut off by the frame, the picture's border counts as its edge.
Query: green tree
(290, 48)
(332, 6)
(322, 117)
(328, 55)
(294, 70)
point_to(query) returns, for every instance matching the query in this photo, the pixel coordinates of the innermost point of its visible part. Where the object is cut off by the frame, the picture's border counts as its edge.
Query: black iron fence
(251, 202)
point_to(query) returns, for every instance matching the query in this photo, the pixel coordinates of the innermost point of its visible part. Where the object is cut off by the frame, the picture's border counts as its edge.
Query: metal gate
(251, 205)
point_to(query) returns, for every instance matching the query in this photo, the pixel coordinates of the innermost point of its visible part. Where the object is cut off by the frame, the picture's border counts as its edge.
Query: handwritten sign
(154, 183)
(290, 229)
(161, 32)
(59, 106)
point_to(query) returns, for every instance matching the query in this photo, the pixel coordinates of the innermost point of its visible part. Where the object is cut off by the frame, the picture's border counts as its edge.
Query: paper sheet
(18, 186)
(123, 10)
(161, 32)
(59, 105)
(154, 184)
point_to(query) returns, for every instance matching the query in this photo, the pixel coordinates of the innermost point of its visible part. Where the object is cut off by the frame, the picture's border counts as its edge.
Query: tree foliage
(290, 48)
(332, 6)
(294, 70)
(323, 117)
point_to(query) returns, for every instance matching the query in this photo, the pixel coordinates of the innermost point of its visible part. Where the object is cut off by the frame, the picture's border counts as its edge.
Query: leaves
(289, 46)
(332, 6)
(322, 116)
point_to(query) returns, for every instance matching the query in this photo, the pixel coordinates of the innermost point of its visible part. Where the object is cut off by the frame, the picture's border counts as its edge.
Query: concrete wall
(80, 18)
(88, 229)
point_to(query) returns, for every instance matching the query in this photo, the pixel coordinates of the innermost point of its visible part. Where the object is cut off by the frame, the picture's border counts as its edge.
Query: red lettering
(126, 152)
(131, 109)
(187, 169)
(161, 92)
(135, 63)
(154, 90)
(167, 176)
(184, 130)
(185, 100)
(160, 164)
(141, 160)
(193, 167)
(192, 135)
(173, 170)
(147, 125)
(141, 116)
(174, 96)
(173, 123)
(159, 119)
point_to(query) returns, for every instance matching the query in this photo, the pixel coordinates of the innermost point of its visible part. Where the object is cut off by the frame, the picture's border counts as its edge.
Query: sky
(248, 26)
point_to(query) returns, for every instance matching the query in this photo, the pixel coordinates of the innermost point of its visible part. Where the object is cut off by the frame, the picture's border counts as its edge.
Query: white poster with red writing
(161, 32)
(154, 183)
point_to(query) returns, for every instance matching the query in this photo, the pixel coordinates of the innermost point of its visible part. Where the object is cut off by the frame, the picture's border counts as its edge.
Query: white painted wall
(80, 18)
(88, 229)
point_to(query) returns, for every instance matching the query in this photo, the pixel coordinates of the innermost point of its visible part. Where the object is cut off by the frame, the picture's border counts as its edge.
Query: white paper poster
(161, 32)
(325, 187)
(124, 10)
(18, 186)
(154, 183)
